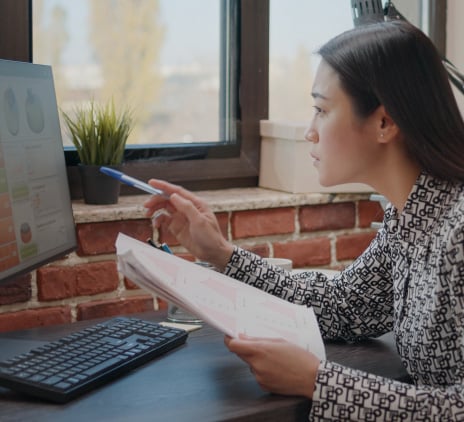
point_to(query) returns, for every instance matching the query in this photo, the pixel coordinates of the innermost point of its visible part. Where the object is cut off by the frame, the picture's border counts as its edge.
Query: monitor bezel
(17, 68)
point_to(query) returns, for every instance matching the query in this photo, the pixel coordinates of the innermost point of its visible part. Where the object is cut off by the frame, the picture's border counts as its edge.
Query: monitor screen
(36, 220)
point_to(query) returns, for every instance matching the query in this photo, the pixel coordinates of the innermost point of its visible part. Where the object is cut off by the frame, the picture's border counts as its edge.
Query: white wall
(455, 40)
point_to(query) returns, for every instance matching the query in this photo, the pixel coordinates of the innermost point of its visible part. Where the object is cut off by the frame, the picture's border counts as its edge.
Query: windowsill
(224, 200)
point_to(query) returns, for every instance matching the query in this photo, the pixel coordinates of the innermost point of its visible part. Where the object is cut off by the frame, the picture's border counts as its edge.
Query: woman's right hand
(191, 221)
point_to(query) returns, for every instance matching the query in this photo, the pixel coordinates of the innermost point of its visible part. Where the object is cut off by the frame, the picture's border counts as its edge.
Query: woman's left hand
(279, 366)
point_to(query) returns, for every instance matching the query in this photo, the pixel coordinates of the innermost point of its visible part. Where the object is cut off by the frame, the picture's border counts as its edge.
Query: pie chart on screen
(34, 112)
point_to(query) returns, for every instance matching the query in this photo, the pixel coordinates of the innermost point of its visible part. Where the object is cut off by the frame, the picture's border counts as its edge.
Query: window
(149, 55)
(245, 75)
(228, 164)
(292, 62)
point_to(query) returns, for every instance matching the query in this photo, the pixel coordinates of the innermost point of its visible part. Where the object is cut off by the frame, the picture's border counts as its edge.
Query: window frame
(214, 171)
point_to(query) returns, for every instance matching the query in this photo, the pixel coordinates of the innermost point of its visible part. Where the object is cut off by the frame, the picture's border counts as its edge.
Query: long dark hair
(396, 65)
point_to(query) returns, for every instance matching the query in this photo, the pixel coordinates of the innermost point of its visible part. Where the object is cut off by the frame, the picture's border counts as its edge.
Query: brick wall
(86, 284)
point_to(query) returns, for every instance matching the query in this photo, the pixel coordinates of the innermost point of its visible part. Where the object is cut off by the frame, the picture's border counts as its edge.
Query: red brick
(263, 222)
(350, 246)
(261, 249)
(368, 212)
(55, 282)
(31, 318)
(327, 217)
(130, 285)
(305, 253)
(100, 238)
(108, 308)
(97, 277)
(162, 304)
(223, 221)
(15, 291)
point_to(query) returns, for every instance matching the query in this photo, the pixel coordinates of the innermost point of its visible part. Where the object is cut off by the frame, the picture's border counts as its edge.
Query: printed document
(227, 304)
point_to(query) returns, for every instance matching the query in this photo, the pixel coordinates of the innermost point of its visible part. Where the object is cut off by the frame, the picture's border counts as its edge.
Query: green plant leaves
(99, 132)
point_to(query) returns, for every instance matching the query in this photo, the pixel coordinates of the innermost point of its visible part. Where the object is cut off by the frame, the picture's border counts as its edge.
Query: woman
(384, 115)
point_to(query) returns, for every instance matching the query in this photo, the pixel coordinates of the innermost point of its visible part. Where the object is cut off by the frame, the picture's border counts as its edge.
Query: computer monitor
(36, 219)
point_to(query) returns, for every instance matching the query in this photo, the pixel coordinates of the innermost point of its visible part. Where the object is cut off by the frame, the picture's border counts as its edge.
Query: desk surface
(200, 381)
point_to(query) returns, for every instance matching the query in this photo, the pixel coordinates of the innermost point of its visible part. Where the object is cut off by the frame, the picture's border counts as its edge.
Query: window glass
(297, 29)
(159, 57)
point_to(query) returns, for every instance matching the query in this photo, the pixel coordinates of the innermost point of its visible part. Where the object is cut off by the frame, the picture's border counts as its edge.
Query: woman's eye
(317, 110)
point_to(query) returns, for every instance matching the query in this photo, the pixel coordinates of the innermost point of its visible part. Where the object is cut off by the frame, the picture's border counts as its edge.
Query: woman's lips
(315, 158)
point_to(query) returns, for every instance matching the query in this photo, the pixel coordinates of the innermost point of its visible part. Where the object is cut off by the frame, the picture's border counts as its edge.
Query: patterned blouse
(409, 280)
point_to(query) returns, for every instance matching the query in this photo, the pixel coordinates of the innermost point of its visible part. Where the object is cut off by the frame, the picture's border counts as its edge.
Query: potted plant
(99, 132)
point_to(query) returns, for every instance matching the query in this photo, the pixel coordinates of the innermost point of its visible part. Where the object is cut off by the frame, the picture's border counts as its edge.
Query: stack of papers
(229, 305)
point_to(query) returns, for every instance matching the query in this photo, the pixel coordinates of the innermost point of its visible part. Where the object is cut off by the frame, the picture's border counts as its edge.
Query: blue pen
(131, 181)
(166, 248)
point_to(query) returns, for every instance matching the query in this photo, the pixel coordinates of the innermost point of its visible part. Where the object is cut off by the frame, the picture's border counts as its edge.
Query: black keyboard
(66, 368)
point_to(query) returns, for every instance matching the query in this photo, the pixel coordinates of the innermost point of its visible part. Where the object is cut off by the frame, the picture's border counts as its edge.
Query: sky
(293, 23)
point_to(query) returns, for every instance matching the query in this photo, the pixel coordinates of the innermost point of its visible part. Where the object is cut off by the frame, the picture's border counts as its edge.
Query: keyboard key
(64, 369)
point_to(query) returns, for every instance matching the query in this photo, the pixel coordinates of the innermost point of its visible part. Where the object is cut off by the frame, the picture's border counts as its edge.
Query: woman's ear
(386, 128)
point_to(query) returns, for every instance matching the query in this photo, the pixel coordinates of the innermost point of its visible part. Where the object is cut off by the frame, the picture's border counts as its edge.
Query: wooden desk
(200, 381)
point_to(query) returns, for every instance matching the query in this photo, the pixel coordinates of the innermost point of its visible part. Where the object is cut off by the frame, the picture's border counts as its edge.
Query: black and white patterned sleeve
(345, 394)
(354, 305)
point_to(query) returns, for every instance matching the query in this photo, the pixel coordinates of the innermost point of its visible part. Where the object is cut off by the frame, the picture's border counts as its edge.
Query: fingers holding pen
(157, 202)
(158, 206)
(191, 221)
(170, 188)
(173, 212)
(160, 217)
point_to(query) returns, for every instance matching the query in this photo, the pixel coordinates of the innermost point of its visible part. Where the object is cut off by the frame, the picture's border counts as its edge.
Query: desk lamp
(371, 11)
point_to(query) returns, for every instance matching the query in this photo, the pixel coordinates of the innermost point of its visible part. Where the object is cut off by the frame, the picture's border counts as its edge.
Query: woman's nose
(311, 135)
